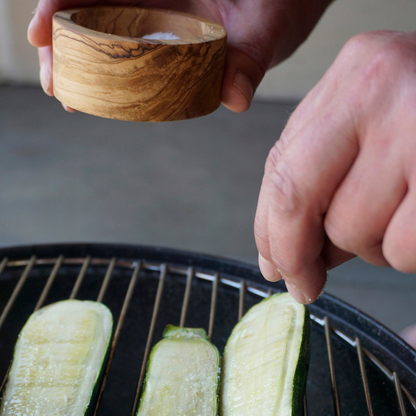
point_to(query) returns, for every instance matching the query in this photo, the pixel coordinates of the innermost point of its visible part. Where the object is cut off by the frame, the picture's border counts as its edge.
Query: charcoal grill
(357, 367)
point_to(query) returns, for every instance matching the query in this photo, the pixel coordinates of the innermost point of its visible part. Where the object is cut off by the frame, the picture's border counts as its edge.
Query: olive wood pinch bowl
(103, 66)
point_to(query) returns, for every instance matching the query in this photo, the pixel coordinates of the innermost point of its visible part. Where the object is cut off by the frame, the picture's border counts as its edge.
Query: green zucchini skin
(182, 376)
(58, 359)
(244, 337)
(301, 373)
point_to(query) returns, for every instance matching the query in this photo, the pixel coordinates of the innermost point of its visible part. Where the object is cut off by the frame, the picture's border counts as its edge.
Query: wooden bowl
(103, 66)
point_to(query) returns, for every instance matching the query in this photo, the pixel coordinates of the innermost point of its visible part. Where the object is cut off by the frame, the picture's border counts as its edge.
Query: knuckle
(261, 56)
(358, 44)
(381, 69)
(375, 59)
(282, 185)
(383, 62)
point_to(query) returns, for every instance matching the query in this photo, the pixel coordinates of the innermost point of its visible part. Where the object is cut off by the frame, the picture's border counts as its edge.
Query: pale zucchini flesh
(265, 361)
(57, 360)
(182, 376)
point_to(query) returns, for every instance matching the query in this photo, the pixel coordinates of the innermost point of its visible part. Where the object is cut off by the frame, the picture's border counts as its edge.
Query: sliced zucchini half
(57, 360)
(182, 375)
(266, 358)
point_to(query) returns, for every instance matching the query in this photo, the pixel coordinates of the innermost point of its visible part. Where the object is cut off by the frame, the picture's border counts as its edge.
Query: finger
(399, 245)
(241, 77)
(254, 37)
(40, 28)
(45, 75)
(268, 270)
(361, 209)
(68, 109)
(334, 256)
(302, 173)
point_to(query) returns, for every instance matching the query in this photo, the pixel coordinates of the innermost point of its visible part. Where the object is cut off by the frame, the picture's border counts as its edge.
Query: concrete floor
(190, 185)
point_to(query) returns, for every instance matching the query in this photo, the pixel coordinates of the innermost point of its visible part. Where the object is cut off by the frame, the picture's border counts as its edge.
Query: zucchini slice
(182, 375)
(57, 360)
(266, 360)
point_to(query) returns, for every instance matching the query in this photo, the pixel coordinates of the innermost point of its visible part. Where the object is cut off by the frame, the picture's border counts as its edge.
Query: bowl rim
(65, 19)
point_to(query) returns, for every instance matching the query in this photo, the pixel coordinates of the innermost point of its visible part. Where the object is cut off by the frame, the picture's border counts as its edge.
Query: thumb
(241, 78)
(39, 32)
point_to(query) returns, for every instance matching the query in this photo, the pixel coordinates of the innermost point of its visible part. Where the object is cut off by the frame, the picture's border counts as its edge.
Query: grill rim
(391, 350)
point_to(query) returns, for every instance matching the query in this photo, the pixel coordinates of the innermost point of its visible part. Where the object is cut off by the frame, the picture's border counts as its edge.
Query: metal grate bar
(232, 282)
(409, 397)
(213, 306)
(17, 289)
(9, 305)
(185, 303)
(364, 377)
(390, 375)
(106, 280)
(80, 277)
(162, 278)
(305, 406)
(332, 367)
(41, 300)
(3, 264)
(117, 332)
(49, 282)
(241, 299)
(3, 383)
(145, 266)
(399, 394)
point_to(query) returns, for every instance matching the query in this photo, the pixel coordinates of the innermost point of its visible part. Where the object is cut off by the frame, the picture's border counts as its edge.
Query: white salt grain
(161, 36)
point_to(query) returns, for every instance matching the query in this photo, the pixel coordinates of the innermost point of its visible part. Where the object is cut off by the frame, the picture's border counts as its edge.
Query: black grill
(357, 366)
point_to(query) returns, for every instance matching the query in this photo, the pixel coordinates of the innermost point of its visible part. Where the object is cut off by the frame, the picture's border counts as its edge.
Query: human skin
(341, 181)
(261, 34)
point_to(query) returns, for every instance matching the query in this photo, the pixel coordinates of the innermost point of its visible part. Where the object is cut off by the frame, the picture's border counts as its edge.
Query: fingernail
(45, 78)
(296, 294)
(268, 271)
(68, 109)
(244, 85)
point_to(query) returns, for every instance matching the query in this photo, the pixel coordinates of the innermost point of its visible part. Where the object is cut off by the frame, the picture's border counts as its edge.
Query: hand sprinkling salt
(161, 36)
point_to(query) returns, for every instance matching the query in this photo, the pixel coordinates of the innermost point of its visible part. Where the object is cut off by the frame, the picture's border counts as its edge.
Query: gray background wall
(292, 80)
(190, 185)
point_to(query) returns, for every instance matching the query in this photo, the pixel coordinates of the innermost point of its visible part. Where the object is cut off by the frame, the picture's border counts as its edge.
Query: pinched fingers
(302, 173)
(338, 182)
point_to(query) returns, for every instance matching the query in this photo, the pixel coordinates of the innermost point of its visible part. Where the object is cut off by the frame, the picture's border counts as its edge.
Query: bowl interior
(136, 22)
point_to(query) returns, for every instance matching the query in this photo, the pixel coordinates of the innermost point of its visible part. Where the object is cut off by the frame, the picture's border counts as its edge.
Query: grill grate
(186, 279)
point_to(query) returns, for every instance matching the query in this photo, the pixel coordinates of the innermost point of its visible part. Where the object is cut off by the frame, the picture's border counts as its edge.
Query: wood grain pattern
(102, 66)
